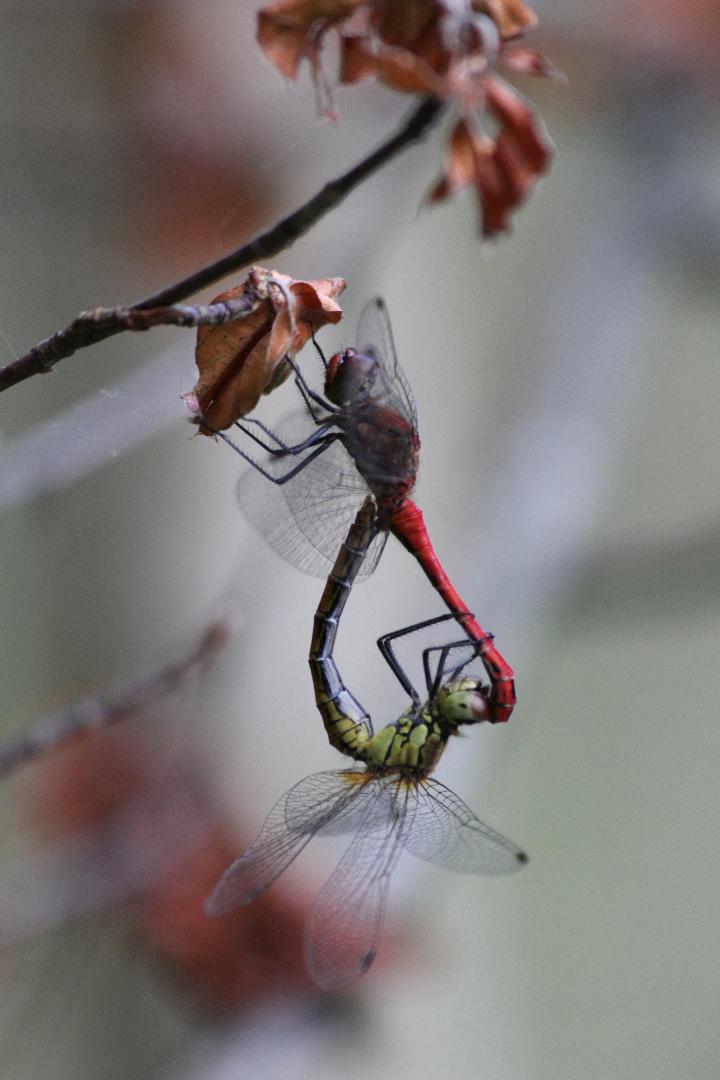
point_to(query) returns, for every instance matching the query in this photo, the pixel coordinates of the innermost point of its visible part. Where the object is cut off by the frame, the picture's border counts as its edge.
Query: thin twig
(91, 327)
(94, 713)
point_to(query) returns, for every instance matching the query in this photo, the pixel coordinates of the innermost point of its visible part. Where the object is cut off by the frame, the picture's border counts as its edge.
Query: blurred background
(567, 386)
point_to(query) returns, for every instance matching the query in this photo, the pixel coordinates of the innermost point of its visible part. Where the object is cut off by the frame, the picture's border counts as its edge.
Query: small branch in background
(92, 327)
(94, 713)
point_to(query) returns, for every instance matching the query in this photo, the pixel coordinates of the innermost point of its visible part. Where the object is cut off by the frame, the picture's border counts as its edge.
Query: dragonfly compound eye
(462, 702)
(348, 373)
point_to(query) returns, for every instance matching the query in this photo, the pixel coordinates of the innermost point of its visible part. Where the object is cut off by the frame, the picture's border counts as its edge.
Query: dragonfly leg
(281, 448)
(389, 656)
(266, 431)
(319, 351)
(319, 448)
(309, 395)
(441, 673)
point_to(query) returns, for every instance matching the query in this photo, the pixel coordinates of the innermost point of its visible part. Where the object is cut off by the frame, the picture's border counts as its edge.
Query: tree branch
(94, 713)
(161, 307)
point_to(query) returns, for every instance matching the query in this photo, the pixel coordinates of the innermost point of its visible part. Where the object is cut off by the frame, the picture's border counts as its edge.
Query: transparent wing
(346, 922)
(375, 338)
(301, 803)
(293, 821)
(306, 520)
(447, 833)
(370, 813)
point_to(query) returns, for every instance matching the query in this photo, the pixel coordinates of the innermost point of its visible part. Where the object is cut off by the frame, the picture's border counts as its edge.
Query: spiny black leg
(320, 353)
(309, 394)
(284, 448)
(397, 670)
(319, 449)
(415, 626)
(388, 654)
(279, 447)
(268, 431)
(434, 683)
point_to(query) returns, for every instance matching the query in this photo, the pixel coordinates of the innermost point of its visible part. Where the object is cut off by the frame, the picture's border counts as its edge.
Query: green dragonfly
(388, 800)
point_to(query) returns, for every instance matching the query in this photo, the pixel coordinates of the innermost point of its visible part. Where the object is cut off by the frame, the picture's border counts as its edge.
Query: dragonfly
(388, 800)
(365, 439)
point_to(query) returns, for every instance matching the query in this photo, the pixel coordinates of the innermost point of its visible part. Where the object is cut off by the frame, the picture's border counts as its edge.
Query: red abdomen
(407, 524)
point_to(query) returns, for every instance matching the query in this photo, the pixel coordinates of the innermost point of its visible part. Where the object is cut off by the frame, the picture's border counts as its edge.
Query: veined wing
(306, 520)
(375, 338)
(296, 817)
(371, 811)
(346, 922)
(360, 790)
(446, 832)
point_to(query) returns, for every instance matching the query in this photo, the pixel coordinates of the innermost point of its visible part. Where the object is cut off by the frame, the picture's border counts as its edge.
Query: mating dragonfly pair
(348, 488)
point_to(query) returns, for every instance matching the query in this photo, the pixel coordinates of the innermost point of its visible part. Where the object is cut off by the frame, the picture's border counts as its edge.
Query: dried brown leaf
(240, 360)
(407, 72)
(503, 170)
(291, 30)
(357, 62)
(407, 24)
(460, 164)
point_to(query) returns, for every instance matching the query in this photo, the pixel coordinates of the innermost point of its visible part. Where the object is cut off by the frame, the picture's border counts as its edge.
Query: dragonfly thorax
(462, 701)
(348, 374)
(411, 745)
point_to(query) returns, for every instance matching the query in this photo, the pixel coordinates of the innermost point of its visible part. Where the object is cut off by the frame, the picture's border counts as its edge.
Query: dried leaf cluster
(450, 49)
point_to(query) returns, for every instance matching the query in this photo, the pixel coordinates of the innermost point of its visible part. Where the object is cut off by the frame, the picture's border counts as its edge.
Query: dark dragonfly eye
(348, 372)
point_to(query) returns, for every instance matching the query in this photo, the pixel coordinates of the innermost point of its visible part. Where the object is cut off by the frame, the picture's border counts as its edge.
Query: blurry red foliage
(235, 959)
(85, 783)
(446, 48)
(229, 962)
(502, 170)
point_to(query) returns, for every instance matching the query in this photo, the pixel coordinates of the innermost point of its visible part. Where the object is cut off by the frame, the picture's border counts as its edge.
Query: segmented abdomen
(346, 722)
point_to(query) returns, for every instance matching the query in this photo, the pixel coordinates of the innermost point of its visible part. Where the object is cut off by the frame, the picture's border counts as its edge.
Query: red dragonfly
(365, 438)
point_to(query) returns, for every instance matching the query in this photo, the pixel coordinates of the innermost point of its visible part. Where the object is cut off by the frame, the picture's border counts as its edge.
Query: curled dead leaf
(239, 361)
(502, 169)
(405, 71)
(289, 31)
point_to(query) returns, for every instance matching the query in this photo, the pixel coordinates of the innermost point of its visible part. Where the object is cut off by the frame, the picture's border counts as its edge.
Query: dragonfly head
(348, 372)
(462, 701)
